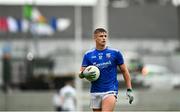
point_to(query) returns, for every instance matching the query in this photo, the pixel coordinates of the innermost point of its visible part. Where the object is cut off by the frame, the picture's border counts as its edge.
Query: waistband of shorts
(107, 92)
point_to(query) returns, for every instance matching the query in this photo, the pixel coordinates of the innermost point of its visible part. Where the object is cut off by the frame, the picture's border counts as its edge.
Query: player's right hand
(81, 75)
(90, 75)
(87, 75)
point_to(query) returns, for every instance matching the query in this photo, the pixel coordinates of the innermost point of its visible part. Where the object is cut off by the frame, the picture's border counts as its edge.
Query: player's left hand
(130, 96)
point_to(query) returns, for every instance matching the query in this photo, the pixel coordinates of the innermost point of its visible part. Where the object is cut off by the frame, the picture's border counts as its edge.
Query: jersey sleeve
(120, 59)
(85, 61)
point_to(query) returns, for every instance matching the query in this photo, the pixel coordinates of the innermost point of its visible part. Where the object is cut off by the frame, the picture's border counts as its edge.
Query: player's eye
(103, 36)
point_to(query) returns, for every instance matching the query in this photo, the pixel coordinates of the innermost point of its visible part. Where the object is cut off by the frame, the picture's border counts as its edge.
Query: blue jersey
(106, 60)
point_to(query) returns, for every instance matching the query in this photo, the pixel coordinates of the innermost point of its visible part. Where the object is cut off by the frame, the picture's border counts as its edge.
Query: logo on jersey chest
(100, 55)
(93, 57)
(108, 55)
(104, 64)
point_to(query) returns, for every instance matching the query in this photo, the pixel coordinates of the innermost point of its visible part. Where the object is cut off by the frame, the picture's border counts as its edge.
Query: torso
(106, 60)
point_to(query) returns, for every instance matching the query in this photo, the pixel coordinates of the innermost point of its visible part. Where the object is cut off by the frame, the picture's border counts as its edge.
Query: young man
(105, 89)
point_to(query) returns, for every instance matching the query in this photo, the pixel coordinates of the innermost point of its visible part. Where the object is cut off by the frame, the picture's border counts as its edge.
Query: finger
(92, 76)
(92, 72)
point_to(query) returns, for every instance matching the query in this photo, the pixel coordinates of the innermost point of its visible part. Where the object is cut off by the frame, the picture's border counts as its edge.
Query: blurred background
(42, 43)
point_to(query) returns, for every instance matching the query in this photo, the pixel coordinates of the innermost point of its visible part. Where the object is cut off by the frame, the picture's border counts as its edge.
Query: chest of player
(102, 59)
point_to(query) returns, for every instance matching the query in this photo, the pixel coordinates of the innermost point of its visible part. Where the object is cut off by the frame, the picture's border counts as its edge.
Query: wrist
(81, 75)
(129, 90)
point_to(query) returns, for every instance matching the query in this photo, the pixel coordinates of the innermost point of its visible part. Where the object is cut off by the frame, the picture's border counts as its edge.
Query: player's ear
(94, 37)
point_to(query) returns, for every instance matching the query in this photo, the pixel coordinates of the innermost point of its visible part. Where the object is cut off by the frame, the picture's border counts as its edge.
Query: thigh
(108, 103)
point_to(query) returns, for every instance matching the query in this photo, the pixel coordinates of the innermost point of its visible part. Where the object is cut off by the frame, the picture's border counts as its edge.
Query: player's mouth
(103, 41)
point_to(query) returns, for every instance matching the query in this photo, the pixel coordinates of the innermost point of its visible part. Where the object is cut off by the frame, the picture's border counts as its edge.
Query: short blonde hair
(98, 30)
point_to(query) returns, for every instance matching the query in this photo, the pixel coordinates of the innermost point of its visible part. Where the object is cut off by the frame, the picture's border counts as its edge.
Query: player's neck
(101, 47)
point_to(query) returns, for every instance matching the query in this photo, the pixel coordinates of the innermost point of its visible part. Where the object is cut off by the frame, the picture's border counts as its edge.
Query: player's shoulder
(90, 51)
(113, 49)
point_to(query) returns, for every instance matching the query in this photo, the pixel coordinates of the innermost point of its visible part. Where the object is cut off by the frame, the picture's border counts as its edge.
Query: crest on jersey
(100, 57)
(108, 55)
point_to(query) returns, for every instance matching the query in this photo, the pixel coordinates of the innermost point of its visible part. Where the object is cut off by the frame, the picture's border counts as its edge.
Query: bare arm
(126, 75)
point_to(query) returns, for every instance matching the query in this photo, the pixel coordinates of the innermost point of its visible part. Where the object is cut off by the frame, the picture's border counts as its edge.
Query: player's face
(101, 38)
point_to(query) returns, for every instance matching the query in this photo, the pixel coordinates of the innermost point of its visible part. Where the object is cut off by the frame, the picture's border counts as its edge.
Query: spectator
(68, 96)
